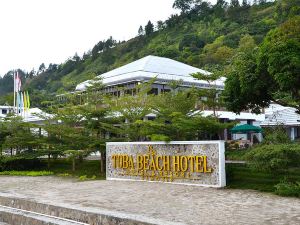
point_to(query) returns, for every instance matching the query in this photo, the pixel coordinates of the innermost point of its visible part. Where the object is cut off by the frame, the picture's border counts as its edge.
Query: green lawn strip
(235, 154)
(26, 173)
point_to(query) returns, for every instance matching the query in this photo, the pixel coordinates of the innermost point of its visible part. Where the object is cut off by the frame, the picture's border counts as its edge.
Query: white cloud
(50, 31)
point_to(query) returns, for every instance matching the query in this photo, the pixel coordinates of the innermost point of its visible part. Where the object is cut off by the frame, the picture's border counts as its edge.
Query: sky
(49, 31)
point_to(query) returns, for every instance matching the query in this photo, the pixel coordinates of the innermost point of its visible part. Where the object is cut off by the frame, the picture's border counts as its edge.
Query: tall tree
(185, 5)
(42, 68)
(160, 25)
(178, 118)
(149, 28)
(131, 110)
(244, 88)
(141, 31)
(219, 8)
(271, 73)
(279, 58)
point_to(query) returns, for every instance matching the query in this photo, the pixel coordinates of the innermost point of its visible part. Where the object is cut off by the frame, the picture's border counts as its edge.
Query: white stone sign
(199, 163)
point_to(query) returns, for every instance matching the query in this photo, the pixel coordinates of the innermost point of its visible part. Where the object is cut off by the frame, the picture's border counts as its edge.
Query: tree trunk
(102, 164)
(80, 158)
(73, 164)
(48, 161)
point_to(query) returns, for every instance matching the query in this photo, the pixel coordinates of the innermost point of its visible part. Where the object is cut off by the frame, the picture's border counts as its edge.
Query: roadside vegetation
(272, 165)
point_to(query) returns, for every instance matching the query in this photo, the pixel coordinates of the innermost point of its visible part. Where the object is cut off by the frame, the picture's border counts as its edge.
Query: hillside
(205, 36)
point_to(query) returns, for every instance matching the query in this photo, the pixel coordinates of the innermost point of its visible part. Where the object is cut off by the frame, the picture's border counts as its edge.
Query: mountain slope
(205, 37)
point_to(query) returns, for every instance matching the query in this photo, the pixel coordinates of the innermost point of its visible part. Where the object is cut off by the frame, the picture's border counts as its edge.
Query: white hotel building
(164, 71)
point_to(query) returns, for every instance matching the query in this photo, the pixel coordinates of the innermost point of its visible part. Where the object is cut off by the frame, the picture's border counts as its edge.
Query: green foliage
(279, 58)
(20, 163)
(244, 87)
(16, 134)
(149, 28)
(285, 188)
(191, 41)
(176, 116)
(242, 176)
(184, 5)
(210, 97)
(257, 76)
(85, 178)
(276, 135)
(88, 168)
(275, 157)
(233, 153)
(26, 173)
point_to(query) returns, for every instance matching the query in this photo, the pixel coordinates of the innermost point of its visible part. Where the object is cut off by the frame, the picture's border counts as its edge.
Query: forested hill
(202, 35)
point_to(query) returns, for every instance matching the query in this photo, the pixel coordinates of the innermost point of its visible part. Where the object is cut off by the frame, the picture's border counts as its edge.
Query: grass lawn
(26, 173)
(236, 154)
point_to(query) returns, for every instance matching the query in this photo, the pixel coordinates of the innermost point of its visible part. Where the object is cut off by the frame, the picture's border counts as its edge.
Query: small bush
(285, 188)
(85, 178)
(63, 175)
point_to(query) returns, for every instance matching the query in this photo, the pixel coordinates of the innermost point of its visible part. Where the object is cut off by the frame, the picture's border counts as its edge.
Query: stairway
(13, 216)
(17, 211)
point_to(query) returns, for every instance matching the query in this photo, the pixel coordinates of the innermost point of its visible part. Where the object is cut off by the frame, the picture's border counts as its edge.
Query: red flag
(18, 82)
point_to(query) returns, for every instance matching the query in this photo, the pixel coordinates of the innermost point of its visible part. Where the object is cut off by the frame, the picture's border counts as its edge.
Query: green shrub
(276, 157)
(20, 163)
(85, 178)
(285, 188)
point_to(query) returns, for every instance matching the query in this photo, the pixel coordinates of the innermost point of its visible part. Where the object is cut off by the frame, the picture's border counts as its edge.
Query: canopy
(246, 128)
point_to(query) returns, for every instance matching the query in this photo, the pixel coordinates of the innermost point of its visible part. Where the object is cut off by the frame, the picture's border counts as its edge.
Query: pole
(14, 91)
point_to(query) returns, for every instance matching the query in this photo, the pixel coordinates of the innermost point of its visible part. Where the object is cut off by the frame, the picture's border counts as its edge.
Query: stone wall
(200, 162)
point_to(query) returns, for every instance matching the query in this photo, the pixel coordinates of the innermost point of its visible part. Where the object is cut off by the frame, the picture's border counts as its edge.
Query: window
(153, 91)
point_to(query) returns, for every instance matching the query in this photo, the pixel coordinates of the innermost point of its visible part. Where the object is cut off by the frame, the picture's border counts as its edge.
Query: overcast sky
(50, 31)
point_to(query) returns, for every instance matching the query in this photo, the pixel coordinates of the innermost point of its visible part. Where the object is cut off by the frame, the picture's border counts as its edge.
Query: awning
(246, 128)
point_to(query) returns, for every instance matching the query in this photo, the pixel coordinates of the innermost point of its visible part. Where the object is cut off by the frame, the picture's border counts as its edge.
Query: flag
(18, 102)
(22, 101)
(25, 101)
(28, 100)
(18, 83)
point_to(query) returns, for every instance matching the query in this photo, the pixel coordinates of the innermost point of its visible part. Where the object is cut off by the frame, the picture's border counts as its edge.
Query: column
(292, 133)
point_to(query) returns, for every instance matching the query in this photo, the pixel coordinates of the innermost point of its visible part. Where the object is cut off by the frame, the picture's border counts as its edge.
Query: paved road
(165, 202)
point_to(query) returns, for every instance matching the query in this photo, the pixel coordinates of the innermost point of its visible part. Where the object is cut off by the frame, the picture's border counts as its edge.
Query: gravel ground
(166, 202)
